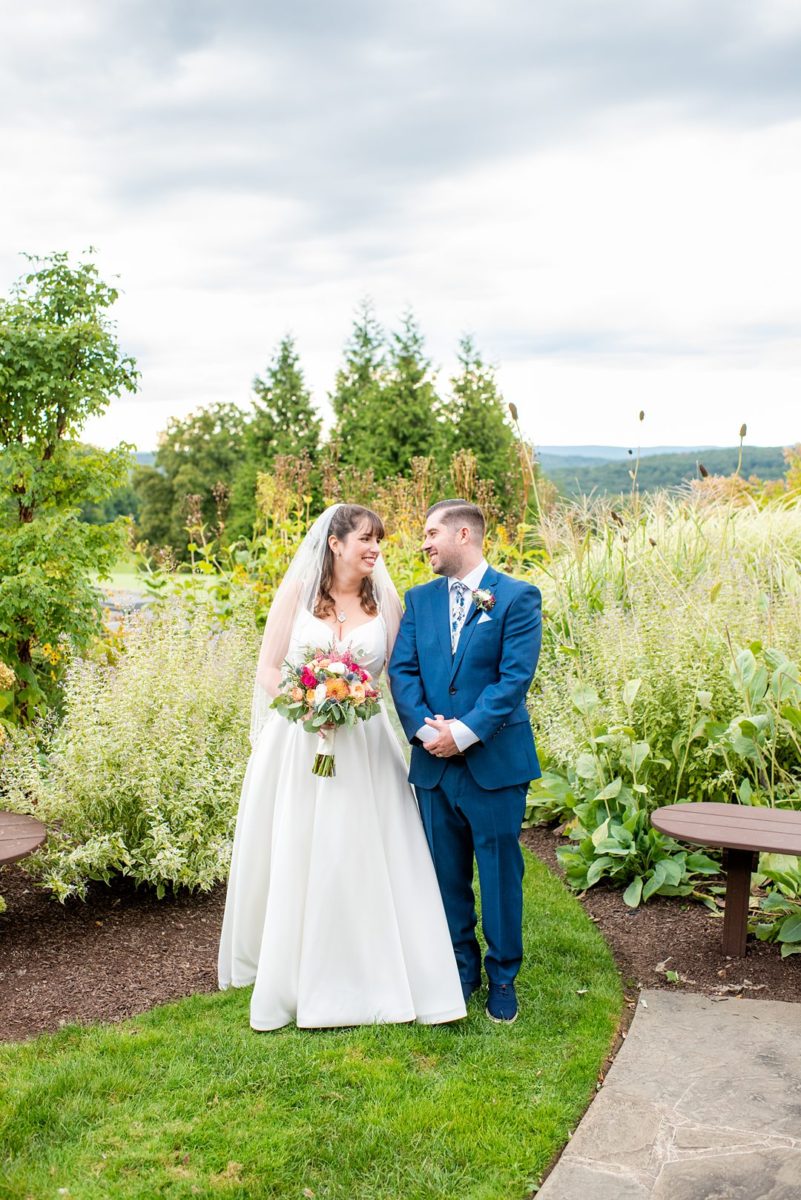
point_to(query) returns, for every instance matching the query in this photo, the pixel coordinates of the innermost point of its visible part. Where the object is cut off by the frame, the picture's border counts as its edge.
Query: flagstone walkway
(702, 1102)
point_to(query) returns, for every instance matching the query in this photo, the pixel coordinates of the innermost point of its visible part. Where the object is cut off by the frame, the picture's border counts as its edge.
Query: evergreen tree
(411, 424)
(357, 399)
(477, 420)
(284, 422)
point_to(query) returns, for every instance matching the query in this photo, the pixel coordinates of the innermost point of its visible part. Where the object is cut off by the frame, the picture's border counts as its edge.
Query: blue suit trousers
(462, 820)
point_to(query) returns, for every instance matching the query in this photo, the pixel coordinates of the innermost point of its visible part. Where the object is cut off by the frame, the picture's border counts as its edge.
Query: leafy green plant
(60, 364)
(142, 776)
(605, 796)
(779, 916)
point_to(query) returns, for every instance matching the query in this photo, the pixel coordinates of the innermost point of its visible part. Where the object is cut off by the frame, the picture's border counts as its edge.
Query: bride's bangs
(374, 523)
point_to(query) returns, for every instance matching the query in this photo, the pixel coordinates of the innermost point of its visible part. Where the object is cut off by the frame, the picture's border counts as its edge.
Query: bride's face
(356, 554)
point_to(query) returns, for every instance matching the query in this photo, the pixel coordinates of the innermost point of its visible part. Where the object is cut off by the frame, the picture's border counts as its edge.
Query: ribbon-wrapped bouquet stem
(327, 691)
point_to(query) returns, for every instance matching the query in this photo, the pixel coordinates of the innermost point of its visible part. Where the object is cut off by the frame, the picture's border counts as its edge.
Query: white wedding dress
(333, 910)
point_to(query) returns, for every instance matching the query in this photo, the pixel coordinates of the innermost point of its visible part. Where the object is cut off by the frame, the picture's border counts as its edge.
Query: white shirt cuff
(462, 735)
(426, 733)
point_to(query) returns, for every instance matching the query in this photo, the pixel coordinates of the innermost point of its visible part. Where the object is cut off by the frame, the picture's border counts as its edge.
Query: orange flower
(357, 692)
(337, 689)
(297, 693)
(310, 696)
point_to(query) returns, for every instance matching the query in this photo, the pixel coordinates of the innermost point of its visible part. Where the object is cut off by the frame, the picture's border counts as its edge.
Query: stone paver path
(703, 1102)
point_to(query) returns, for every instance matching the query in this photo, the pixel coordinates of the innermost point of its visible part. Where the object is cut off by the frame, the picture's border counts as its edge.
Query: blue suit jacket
(484, 684)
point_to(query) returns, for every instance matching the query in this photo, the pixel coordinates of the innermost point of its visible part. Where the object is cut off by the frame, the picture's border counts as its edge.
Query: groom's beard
(447, 565)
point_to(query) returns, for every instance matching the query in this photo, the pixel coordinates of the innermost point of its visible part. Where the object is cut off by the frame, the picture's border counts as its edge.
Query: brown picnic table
(741, 832)
(19, 836)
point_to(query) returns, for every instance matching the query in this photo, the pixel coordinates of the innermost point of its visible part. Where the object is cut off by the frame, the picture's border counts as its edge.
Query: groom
(462, 665)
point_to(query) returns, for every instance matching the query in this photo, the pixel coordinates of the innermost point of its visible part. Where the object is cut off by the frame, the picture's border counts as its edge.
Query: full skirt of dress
(333, 911)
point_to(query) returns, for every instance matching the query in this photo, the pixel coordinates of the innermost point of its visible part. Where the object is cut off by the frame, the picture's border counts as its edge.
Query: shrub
(142, 776)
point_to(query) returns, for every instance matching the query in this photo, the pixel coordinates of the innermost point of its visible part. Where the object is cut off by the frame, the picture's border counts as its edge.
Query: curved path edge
(703, 1099)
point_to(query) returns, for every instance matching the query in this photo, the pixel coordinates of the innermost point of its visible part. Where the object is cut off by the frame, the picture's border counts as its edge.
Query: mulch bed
(123, 951)
(667, 934)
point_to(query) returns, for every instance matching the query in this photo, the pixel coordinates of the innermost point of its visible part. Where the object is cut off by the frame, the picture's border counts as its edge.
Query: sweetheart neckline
(341, 640)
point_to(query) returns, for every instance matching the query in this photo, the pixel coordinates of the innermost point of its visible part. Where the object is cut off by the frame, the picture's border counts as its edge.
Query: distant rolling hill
(586, 474)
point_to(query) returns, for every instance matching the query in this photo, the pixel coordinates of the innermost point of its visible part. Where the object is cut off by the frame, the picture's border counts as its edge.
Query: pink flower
(307, 679)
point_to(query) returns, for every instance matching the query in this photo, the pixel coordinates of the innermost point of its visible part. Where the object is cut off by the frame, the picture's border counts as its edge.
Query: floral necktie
(458, 611)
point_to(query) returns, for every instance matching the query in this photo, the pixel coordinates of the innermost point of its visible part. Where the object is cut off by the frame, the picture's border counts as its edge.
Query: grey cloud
(743, 342)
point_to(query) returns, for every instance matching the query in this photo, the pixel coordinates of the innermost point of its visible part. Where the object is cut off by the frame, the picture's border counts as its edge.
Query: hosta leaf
(611, 790)
(585, 699)
(586, 766)
(633, 893)
(655, 882)
(791, 929)
(673, 870)
(596, 869)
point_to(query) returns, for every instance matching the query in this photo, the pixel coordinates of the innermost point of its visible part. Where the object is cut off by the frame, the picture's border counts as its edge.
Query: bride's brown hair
(345, 520)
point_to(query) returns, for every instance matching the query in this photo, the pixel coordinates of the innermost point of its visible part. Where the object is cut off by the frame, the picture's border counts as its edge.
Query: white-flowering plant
(142, 776)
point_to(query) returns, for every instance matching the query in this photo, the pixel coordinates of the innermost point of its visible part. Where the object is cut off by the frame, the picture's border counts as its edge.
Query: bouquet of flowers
(326, 691)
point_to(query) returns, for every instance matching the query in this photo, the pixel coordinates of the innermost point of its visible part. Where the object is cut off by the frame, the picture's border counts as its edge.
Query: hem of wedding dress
(454, 1014)
(234, 983)
(441, 1018)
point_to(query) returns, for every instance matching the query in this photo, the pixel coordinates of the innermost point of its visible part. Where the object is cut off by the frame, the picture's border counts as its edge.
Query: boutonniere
(483, 600)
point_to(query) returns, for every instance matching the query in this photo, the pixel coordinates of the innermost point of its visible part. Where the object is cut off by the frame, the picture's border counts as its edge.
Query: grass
(124, 577)
(187, 1101)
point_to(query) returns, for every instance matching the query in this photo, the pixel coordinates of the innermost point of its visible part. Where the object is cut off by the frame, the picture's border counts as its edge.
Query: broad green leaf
(611, 790)
(585, 699)
(791, 929)
(599, 833)
(630, 690)
(655, 882)
(633, 893)
(586, 766)
(596, 869)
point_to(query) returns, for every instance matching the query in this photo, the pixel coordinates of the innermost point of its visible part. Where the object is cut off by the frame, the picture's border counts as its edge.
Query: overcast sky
(607, 194)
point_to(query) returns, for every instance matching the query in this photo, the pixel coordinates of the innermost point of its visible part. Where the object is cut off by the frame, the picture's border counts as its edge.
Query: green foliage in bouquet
(142, 776)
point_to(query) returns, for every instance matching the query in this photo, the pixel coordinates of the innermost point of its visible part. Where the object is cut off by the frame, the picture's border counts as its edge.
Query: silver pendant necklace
(342, 617)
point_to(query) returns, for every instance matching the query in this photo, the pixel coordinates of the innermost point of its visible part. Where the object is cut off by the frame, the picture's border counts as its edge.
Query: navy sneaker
(469, 988)
(502, 1003)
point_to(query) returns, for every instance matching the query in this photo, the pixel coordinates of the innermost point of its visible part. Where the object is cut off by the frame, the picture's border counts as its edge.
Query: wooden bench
(741, 832)
(19, 836)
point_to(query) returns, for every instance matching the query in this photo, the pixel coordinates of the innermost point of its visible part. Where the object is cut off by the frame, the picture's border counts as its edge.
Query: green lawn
(187, 1101)
(124, 577)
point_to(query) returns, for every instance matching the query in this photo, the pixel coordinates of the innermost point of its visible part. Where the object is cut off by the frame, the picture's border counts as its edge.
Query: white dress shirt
(462, 734)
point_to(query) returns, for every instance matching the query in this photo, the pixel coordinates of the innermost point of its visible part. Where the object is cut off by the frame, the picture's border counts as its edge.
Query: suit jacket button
(452, 690)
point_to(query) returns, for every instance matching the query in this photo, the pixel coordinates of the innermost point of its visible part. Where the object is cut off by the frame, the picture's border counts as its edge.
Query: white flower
(320, 694)
(337, 668)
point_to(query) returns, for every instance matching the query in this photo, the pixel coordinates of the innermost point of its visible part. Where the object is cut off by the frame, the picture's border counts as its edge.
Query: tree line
(388, 412)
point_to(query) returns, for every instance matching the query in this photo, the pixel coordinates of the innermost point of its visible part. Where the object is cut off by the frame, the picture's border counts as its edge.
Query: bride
(333, 910)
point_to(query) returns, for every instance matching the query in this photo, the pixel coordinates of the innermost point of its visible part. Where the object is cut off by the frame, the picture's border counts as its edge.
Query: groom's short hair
(460, 512)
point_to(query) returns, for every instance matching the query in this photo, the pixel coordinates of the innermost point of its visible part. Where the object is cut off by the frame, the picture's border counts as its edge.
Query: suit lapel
(488, 580)
(441, 609)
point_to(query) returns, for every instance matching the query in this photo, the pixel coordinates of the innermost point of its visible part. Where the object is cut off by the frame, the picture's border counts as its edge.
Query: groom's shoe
(502, 1003)
(468, 989)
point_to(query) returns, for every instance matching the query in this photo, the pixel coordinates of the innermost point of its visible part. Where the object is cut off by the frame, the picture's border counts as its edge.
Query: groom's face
(444, 545)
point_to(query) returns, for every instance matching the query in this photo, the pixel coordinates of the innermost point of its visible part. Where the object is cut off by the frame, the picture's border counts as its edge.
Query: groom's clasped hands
(443, 745)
